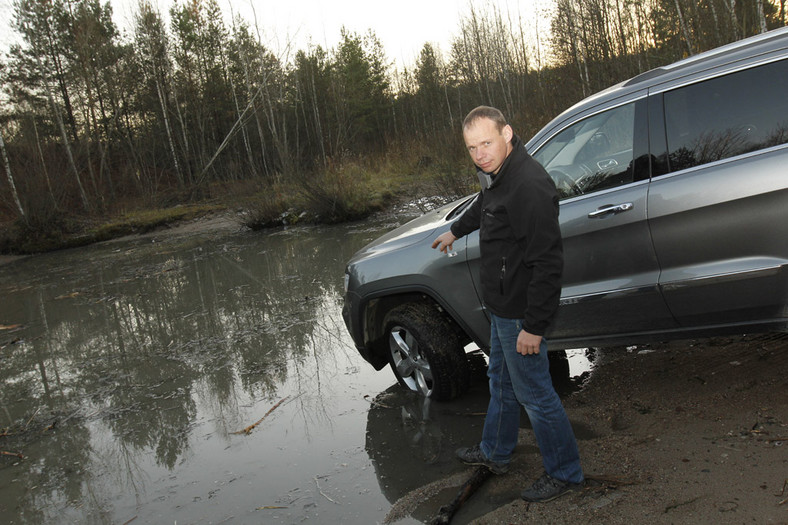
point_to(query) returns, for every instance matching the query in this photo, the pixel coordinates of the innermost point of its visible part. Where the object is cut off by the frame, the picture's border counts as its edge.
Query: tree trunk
(11, 180)
(245, 135)
(761, 15)
(250, 98)
(43, 163)
(171, 141)
(66, 145)
(717, 30)
(266, 168)
(685, 29)
(580, 56)
(539, 82)
(731, 5)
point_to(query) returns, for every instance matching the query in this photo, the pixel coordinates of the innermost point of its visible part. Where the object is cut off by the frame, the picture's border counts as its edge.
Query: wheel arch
(375, 310)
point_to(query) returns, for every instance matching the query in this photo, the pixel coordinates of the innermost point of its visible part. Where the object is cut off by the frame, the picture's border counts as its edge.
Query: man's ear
(507, 133)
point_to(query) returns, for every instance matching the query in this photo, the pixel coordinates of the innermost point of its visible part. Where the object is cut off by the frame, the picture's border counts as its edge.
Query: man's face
(488, 146)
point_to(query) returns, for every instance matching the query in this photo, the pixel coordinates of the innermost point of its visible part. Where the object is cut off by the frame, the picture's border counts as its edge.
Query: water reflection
(127, 369)
(408, 436)
(123, 350)
(412, 440)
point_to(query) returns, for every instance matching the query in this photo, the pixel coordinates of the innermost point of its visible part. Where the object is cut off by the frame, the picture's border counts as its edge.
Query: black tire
(425, 352)
(559, 365)
(559, 372)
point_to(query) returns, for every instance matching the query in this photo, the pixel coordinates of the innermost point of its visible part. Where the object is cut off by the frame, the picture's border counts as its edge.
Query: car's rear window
(727, 116)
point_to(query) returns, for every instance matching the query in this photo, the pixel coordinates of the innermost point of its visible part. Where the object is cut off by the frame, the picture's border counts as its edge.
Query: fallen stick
(248, 430)
(317, 483)
(446, 512)
(15, 454)
(31, 418)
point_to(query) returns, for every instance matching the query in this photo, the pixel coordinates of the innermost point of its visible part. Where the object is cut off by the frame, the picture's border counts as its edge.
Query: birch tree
(11, 185)
(684, 28)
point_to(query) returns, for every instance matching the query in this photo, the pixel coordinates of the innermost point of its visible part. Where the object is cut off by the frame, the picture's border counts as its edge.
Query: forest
(189, 110)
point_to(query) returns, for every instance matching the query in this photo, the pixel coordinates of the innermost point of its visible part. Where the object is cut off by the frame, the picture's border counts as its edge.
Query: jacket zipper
(503, 272)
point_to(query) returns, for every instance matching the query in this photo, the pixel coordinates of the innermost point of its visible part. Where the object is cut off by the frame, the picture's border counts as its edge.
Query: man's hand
(528, 343)
(444, 241)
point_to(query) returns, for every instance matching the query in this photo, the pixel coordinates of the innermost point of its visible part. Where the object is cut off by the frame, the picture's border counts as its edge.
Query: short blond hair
(489, 112)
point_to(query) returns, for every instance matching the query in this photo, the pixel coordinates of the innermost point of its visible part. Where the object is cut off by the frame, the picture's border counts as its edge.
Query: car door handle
(610, 208)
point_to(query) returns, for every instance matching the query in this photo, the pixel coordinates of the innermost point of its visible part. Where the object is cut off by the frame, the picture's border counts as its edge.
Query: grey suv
(674, 215)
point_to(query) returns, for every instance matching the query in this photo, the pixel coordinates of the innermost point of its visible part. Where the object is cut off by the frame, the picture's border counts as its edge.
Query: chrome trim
(706, 280)
(610, 208)
(584, 298)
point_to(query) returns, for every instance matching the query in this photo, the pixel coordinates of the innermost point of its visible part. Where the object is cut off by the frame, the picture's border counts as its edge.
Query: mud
(682, 432)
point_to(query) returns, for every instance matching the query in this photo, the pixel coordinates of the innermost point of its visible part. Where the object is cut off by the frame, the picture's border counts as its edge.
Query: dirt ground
(682, 432)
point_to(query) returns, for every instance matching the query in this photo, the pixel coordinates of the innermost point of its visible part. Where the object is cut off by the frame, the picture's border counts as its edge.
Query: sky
(403, 26)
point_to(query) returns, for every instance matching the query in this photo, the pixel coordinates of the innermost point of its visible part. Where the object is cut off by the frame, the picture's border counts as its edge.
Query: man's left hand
(528, 343)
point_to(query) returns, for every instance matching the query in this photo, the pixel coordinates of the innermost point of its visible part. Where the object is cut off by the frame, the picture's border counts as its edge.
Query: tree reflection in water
(124, 349)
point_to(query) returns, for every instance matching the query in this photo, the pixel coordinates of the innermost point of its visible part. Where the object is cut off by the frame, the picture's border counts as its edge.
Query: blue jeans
(516, 380)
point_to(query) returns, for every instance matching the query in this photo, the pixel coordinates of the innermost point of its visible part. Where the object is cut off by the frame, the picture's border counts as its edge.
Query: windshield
(461, 208)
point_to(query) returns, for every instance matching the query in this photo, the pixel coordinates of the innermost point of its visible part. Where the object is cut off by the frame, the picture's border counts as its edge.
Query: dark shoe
(474, 456)
(547, 489)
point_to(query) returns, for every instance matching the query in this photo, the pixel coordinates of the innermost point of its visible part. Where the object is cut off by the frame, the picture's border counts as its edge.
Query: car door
(610, 279)
(719, 215)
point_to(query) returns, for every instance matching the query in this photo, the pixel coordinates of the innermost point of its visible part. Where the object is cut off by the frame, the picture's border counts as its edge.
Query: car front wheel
(425, 352)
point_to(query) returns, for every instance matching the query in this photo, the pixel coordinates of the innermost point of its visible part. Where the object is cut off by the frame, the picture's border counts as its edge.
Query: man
(521, 264)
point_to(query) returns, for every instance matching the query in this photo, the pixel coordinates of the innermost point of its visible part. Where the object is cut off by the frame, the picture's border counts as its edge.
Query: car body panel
(402, 263)
(721, 234)
(692, 252)
(611, 272)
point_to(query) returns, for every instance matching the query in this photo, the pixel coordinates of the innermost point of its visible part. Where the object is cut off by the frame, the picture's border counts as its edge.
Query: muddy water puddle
(207, 378)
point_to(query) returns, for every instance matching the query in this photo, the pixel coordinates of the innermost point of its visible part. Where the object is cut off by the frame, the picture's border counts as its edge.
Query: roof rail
(707, 55)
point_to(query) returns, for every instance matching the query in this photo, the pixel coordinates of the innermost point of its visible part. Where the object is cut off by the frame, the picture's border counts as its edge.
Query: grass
(143, 221)
(350, 191)
(64, 231)
(343, 193)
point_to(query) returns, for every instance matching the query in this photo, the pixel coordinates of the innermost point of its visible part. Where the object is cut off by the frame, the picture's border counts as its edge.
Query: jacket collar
(490, 180)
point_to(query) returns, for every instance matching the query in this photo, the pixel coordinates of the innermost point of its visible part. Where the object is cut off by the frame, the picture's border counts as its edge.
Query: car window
(727, 116)
(592, 154)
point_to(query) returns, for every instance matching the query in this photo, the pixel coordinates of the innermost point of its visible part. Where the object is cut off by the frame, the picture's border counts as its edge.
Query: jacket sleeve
(469, 221)
(536, 229)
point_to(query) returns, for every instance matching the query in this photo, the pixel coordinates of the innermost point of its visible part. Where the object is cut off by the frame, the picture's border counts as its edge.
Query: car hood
(417, 230)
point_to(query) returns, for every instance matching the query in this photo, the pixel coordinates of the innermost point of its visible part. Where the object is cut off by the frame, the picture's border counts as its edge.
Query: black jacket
(520, 241)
